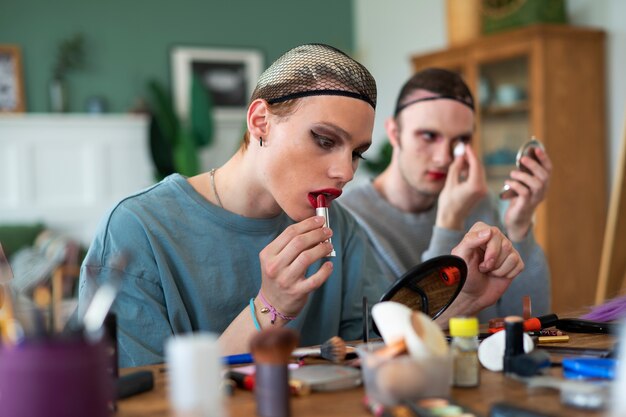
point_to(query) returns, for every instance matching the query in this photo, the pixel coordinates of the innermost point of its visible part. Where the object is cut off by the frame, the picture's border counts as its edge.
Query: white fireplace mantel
(68, 170)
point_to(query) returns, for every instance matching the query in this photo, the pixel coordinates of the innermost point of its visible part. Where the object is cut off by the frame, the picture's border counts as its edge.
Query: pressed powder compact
(527, 149)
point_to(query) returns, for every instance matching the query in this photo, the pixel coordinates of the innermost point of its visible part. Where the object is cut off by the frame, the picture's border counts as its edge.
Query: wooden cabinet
(546, 81)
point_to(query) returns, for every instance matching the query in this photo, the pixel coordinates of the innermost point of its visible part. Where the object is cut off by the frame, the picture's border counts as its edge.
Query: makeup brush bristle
(334, 349)
(273, 346)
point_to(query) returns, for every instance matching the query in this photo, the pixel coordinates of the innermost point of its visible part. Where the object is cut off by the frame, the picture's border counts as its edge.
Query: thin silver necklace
(217, 196)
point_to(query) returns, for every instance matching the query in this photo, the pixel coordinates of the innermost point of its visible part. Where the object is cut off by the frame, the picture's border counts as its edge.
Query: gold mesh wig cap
(315, 70)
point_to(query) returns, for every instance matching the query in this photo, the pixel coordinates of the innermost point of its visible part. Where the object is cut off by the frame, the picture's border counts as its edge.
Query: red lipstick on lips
(436, 176)
(329, 195)
(322, 210)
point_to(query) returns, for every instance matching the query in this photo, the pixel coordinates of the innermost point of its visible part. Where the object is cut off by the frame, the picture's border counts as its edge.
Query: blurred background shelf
(495, 110)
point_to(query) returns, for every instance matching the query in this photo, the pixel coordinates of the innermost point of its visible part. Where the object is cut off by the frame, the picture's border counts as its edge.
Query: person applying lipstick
(434, 190)
(240, 248)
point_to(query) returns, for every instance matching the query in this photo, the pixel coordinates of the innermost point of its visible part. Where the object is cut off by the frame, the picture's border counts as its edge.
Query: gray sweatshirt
(402, 240)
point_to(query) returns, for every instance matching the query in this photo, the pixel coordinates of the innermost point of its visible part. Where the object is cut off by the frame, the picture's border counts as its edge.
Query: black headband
(399, 108)
(327, 92)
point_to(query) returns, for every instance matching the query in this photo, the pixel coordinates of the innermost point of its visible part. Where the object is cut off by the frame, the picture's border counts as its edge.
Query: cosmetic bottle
(464, 348)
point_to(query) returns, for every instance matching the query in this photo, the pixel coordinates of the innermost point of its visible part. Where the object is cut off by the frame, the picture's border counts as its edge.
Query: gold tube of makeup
(552, 339)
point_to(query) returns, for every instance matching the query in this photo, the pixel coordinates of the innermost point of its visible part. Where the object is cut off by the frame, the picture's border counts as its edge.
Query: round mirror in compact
(431, 286)
(527, 149)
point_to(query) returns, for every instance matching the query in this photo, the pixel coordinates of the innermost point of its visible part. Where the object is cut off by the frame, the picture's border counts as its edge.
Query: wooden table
(494, 387)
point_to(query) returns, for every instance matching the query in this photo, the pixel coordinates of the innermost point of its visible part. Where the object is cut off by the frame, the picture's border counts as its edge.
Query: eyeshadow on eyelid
(330, 130)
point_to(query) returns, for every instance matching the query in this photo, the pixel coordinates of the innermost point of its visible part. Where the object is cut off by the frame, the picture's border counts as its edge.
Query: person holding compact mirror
(435, 189)
(247, 246)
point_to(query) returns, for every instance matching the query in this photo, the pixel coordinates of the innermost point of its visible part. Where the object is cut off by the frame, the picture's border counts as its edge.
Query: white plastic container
(390, 381)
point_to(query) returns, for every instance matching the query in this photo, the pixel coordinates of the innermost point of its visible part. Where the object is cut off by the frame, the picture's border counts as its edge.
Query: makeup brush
(6, 274)
(10, 329)
(271, 349)
(273, 346)
(334, 350)
(102, 300)
(41, 299)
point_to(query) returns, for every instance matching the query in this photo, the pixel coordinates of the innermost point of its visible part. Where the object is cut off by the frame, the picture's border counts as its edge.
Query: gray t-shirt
(402, 240)
(194, 266)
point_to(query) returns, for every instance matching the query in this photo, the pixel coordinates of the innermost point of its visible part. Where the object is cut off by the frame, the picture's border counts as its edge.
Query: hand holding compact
(526, 188)
(284, 263)
(492, 263)
(465, 186)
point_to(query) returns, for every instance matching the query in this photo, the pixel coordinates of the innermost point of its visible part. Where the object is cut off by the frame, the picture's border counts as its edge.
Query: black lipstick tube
(514, 341)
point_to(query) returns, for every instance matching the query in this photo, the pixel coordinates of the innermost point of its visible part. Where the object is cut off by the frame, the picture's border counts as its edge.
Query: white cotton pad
(491, 350)
(459, 149)
(392, 319)
(424, 339)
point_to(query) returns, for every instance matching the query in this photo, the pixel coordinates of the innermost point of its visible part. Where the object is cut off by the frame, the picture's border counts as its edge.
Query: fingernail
(327, 231)
(319, 220)
(484, 233)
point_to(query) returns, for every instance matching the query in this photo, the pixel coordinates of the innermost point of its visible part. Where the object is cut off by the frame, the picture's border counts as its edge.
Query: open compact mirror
(430, 287)
(527, 149)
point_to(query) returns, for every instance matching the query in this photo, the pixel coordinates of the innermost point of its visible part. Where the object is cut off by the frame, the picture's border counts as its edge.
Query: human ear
(257, 118)
(393, 131)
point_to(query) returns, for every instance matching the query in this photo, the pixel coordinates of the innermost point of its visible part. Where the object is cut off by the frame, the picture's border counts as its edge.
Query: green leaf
(378, 165)
(201, 112)
(70, 56)
(186, 154)
(163, 111)
(161, 150)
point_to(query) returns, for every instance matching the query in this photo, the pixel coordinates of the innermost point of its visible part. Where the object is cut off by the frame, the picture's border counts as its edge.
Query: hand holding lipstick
(284, 263)
(492, 264)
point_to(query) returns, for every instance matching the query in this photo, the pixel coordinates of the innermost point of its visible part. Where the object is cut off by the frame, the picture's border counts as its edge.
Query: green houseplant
(70, 57)
(175, 142)
(381, 161)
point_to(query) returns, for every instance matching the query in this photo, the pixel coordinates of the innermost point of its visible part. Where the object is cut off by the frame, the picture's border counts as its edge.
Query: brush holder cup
(55, 377)
(390, 381)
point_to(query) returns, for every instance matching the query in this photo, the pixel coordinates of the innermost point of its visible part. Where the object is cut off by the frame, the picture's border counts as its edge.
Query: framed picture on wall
(229, 75)
(11, 80)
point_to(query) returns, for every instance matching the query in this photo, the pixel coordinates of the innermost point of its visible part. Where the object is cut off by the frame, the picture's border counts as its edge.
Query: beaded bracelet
(271, 309)
(254, 319)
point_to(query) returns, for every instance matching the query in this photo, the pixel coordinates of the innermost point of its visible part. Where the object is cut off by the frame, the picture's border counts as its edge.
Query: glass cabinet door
(502, 94)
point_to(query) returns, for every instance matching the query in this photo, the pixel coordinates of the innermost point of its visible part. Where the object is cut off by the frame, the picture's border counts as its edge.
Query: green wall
(128, 42)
